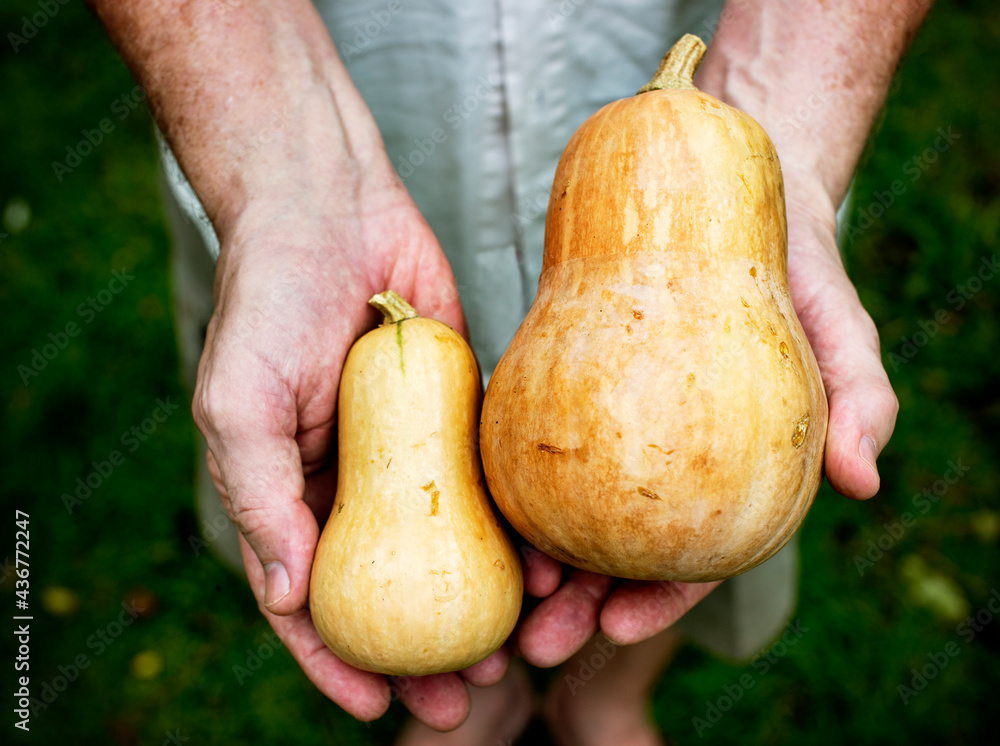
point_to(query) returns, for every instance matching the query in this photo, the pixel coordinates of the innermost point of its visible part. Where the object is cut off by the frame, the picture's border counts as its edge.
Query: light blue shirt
(475, 101)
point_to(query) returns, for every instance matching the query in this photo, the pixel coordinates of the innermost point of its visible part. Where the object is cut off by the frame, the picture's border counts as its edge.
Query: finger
(250, 429)
(440, 701)
(862, 417)
(638, 610)
(364, 695)
(862, 404)
(542, 574)
(425, 279)
(563, 622)
(488, 672)
(320, 490)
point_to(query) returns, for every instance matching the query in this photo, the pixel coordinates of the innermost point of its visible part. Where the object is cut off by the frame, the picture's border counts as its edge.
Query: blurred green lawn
(171, 671)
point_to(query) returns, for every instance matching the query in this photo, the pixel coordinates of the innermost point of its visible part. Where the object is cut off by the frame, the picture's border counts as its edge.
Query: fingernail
(867, 452)
(277, 585)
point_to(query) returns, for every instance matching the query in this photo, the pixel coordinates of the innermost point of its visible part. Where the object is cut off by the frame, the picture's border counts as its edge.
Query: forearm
(814, 75)
(253, 100)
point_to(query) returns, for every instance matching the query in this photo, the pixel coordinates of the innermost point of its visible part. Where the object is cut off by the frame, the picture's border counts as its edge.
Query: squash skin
(413, 574)
(648, 419)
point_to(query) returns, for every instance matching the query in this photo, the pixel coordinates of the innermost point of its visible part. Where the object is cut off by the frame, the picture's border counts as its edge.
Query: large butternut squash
(413, 574)
(659, 414)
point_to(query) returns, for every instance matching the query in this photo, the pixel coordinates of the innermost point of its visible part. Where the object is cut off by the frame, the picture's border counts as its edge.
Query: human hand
(574, 609)
(799, 93)
(292, 286)
(844, 339)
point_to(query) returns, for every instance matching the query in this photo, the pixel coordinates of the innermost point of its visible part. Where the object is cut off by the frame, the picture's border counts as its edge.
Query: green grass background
(129, 540)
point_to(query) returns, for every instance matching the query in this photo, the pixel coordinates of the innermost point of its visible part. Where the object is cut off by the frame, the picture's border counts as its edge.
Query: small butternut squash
(413, 573)
(659, 414)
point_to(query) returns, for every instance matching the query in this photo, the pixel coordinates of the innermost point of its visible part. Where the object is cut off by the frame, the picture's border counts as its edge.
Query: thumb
(862, 404)
(256, 464)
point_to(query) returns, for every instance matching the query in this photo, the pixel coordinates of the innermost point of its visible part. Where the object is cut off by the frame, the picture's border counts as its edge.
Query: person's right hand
(291, 293)
(312, 219)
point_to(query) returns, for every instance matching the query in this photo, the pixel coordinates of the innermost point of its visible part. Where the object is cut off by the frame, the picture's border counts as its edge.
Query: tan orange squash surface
(660, 414)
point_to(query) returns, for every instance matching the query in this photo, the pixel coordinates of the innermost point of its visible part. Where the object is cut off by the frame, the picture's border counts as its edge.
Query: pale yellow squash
(413, 574)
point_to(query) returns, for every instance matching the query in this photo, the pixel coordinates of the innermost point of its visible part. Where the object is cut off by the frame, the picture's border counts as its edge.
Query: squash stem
(393, 307)
(678, 66)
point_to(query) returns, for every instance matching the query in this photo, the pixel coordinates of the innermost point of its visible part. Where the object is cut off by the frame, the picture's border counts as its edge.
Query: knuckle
(890, 401)
(250, 519)
(869, 330)
(217, 405)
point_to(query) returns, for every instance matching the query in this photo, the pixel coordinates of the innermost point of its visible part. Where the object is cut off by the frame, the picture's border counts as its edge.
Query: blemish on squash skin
(647, 493)
(665, 453)
(435, 494)
(783, 349)
(500, 564)
(638, 315)
(744, 302)
(546, 448)
(690, 381)
(799, 433)
(745, 183)
(447, 584)
(399, 343)
(753, 274)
